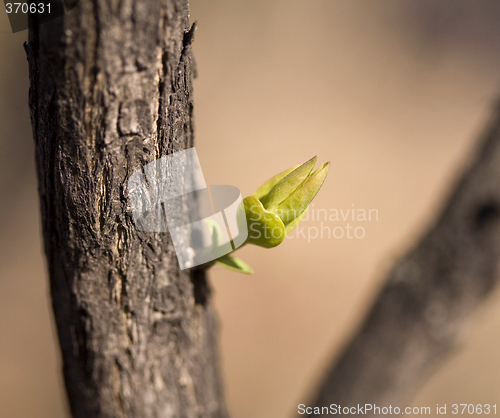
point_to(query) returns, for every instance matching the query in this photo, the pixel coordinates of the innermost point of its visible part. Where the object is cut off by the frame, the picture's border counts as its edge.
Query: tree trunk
(111, 91)
(429, 296)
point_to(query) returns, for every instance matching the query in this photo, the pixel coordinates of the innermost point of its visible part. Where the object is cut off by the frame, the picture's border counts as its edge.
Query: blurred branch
(111, 90)
(429, 295)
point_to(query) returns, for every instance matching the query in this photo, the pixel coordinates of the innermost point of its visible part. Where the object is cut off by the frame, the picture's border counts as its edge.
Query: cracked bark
(111, 91)
(424, 309)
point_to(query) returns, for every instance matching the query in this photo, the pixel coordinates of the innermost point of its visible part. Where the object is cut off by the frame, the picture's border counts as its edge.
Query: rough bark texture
(111, 91)
(430, 294)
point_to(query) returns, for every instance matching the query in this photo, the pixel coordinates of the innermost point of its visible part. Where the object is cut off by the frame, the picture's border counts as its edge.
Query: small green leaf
(287, 185)
(215, 231)
(269, 184)
(264, 228)
(296, 203)
(234, 264)
(294, 223)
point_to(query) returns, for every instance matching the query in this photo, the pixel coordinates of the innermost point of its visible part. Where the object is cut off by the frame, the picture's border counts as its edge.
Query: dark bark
(428, 299)
(110, 91)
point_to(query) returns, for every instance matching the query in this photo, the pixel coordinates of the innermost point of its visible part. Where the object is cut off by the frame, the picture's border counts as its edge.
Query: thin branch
(429, 295)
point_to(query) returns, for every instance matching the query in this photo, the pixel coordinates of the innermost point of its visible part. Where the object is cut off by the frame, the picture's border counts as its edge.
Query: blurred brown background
(393, 92)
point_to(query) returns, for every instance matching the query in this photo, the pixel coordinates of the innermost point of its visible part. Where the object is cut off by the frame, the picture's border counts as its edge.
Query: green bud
(285, 198)
(277, 207)
(265, 228)
(297, 202)
(287, 185)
